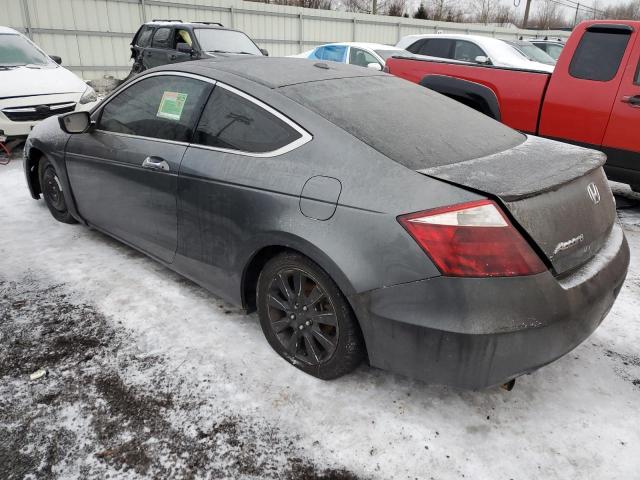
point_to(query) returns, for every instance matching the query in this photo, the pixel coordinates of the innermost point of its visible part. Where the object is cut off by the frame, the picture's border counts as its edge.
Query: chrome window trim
(304, 138)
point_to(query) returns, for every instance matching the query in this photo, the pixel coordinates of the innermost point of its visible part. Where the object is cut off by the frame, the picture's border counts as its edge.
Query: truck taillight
(472, 239)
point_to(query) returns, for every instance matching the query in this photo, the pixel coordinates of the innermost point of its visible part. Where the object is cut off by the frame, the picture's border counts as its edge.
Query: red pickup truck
(591, 99)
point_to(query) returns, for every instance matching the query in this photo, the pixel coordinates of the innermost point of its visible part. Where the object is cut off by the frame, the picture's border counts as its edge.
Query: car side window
(415, 47)
(360, 57)
(144, 37)
(599, 54)
(162, 38)
(334, 53)
(233, 122)
(437, 47)
(165, 107)
(467, 51)
(182, 36)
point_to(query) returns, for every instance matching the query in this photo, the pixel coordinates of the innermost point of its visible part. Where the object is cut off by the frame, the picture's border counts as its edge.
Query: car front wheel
(53, 193)
(306, 319)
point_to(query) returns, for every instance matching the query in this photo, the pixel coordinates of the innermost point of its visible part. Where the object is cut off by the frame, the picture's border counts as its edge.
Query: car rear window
(144, 37)
(599, 54)
(406, 122)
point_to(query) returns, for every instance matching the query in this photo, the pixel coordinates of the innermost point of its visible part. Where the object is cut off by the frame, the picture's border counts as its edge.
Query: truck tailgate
(556, 192)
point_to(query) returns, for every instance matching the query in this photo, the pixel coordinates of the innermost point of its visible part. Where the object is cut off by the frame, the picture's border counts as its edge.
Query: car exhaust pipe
(509, 385)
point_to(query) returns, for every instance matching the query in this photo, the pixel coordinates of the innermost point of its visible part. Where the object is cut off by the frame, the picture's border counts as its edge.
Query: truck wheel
(53, 193)
(306, 318)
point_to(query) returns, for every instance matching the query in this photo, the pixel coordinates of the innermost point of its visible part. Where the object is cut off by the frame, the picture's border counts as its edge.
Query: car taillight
(472, 239)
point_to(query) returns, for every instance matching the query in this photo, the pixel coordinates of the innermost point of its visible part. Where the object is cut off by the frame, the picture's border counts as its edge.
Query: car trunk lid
(557, 193)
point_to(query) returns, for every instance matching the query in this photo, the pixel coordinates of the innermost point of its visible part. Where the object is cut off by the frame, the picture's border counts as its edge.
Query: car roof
(272, 72)
(460, 36)
(7, 30)
(371, 46)
(188, 24)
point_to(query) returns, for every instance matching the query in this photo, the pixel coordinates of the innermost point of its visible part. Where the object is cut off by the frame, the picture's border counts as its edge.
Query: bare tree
(394, 8)
(628, 11)
(358, 6)
(491, 11)
(548, 15)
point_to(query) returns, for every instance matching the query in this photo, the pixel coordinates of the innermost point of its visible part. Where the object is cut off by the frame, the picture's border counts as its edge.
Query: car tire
(306, 318)
(52, 192)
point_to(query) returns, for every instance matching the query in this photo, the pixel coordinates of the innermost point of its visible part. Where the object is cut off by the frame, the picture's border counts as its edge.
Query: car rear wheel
(53, 193)
(306, 319)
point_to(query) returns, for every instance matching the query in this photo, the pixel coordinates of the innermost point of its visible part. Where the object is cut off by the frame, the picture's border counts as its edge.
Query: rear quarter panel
(519, 92)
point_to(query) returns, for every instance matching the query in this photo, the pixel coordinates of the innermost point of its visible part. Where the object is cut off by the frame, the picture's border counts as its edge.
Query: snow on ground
(152, 376)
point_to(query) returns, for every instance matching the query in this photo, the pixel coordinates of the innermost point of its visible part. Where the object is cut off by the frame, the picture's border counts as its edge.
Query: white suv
(33, 86)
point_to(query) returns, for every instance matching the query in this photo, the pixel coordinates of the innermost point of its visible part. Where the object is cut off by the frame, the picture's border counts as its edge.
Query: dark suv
(170, 41)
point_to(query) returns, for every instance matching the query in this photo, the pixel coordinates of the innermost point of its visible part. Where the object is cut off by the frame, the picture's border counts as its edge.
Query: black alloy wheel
(302, 317)
(306, 318)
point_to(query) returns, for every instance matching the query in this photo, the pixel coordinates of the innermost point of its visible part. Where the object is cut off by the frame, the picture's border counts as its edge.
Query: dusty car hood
(26, 81)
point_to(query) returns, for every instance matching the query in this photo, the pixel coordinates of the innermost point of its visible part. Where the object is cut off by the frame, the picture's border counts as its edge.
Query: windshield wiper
(226, 51)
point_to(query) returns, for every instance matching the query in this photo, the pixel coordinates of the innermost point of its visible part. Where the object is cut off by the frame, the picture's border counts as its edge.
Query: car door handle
(633, 101)
(155, 163)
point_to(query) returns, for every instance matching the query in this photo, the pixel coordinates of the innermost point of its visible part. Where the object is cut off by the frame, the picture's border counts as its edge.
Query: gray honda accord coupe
(362, 216)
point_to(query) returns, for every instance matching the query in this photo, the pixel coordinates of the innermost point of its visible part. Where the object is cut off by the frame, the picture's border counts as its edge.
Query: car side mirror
(264, 52)
(481, 59)
(56, 59)
(183, 47)
(374, 66)
(75, 122)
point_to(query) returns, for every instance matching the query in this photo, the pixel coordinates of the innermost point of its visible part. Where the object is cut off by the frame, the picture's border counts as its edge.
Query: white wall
(92, 36)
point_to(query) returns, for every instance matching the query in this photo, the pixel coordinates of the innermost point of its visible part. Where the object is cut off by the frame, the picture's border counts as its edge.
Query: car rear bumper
(474, 333)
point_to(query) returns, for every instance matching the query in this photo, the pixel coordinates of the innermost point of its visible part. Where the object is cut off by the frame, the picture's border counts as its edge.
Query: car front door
(183, 36)
(123, 172)
(362, 58)
(466, 51)
(157, 53)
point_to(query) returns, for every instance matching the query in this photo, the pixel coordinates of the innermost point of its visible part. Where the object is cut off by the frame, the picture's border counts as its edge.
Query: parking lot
(150, 375)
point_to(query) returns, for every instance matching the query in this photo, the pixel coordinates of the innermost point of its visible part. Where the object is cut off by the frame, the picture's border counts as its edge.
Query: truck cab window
(599, 55)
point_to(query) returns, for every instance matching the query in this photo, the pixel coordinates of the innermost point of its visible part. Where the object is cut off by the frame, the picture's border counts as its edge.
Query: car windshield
(15, 50)
(532, 52)
(227, 41)
(386, 54)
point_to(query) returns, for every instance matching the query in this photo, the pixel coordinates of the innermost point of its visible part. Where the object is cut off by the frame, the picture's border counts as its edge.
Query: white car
(472, 49)
(371, 55)
(33, 86)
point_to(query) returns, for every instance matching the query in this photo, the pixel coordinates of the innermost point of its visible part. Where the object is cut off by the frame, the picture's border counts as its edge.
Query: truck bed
(519, 92)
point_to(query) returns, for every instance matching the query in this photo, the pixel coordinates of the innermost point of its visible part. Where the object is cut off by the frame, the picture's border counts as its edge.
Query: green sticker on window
(171, 105)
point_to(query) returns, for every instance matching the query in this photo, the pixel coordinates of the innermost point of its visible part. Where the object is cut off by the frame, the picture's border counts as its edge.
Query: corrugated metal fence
(92, 36)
